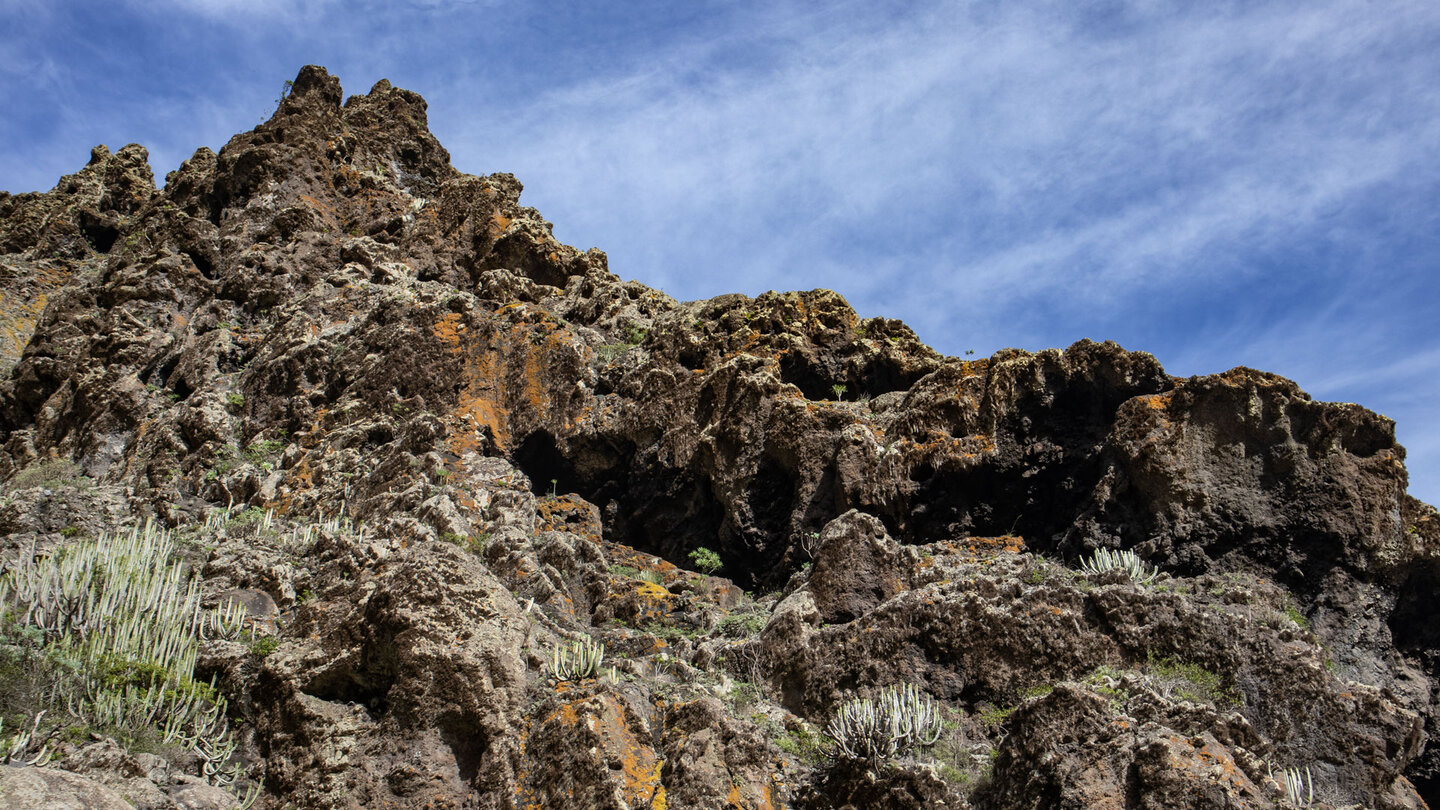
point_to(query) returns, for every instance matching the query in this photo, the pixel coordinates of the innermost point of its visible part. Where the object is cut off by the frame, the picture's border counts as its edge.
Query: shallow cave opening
(467, 745)
(665, 511)
(1427, 784)
(202, 263)
(1416, 633)
(1037, 504)
(819, 377)
(814, 379)
(367, 684)
(1412, 622)
(99, 232)
(885, 374)
(547, 468)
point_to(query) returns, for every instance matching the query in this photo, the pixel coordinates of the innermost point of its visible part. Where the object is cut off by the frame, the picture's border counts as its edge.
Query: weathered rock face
(327, 316)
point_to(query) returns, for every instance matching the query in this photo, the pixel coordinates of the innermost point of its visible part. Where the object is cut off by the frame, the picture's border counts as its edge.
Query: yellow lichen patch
(1156, 402)
(974, 368)
(1011, 543)
(752, 799)
(21, 306)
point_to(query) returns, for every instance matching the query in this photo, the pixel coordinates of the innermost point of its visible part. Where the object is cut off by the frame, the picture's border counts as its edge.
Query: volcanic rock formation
(325, 318)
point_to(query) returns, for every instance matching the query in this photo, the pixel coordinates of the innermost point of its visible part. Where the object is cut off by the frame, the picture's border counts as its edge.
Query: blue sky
(1220, 184)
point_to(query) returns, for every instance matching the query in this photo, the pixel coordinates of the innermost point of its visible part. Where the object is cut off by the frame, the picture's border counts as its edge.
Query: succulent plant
(577, 660)
(1104, 560)
(121, 604)
(876, 729)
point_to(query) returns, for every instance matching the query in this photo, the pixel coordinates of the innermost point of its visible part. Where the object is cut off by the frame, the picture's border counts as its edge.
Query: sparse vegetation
(1298, 785)
(50, 474)
(1294, 614)
(993, 717)
(742, 625)
(743, 695)
(803, 744)
(263, 646)
(1190, 681)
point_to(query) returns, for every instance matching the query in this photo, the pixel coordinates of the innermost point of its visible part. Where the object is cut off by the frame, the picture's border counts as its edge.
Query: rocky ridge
(326, 318)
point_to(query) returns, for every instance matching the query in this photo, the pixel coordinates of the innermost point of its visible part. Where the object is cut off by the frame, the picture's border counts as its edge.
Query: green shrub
(742, 625)
(707, 561)
(263, 646)
(1294, 614)
(995, 716)
(744, 694)
(1190, 681)
(802, 744)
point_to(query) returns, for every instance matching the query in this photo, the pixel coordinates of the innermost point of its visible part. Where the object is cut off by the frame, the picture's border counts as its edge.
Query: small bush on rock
(706, 560)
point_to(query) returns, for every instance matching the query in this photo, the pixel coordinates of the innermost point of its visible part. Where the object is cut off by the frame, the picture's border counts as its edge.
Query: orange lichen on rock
(480, 403)
(1156, 402)
(499, 223)
(609, 749)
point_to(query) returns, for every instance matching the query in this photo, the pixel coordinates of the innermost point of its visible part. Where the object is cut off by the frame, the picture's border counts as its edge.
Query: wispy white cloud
(273, 12)
(1022, 125)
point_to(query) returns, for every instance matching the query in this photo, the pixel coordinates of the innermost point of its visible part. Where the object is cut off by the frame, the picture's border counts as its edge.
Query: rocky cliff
(431, 449)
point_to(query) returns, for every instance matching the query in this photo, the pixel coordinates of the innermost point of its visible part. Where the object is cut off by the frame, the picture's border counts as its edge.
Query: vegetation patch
(1190, 681)
(106, 632)
(51, 474)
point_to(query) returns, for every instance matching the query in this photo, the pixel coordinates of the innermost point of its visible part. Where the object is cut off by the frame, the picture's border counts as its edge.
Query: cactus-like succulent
(877, 729)
(121, 604)
(577, 660)
(1298, 785)
(1104, 560)
(15, 749)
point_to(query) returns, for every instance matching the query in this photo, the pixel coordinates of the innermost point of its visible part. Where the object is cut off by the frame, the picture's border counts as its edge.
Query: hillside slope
(428, 446)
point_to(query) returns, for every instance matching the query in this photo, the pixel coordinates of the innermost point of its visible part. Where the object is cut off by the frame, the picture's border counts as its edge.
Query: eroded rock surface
(327, 318)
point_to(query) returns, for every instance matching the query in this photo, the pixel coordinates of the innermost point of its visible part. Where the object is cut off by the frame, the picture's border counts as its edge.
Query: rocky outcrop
(325, 318)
